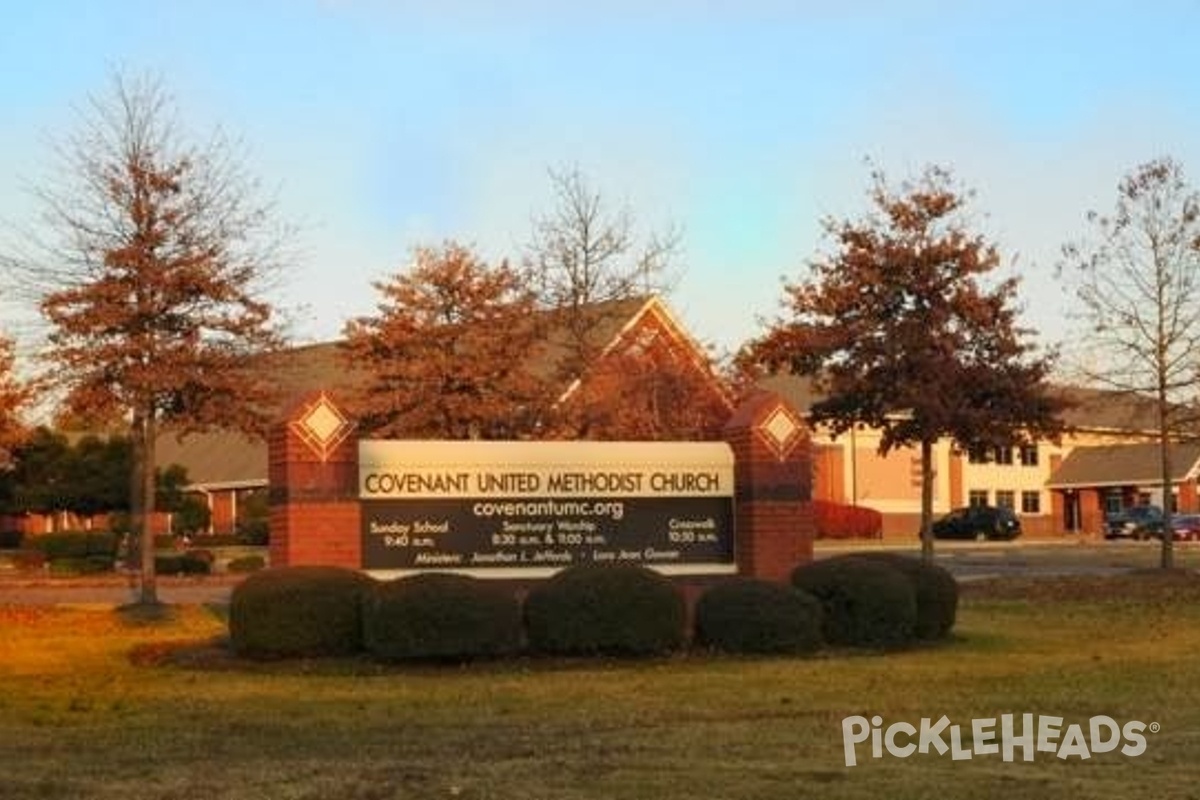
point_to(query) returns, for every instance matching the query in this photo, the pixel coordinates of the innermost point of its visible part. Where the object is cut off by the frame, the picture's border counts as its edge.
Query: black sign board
(490, 533)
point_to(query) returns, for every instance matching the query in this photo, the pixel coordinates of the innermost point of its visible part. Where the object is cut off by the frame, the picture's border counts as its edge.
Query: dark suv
(978, 522)
(1135, 522)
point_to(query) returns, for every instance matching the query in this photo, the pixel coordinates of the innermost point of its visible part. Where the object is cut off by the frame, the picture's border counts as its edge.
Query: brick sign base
(316, 514)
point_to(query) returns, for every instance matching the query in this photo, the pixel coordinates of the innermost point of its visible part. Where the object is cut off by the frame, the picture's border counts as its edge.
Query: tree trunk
(1168, 533)
(927, 501)
(143, 458)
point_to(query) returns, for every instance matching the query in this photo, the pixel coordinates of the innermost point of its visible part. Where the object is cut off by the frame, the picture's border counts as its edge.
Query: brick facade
(315, 516)
(775, 526)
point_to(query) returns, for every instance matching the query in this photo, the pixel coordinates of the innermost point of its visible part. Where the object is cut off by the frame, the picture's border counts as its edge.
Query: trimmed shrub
(866, 603)
(246, 564)
(169, 564)
(189, 562)
(87, 565)
(594, 609)
(11, 540)
(746, 615)
(438, 616)
(197, 562)
(298, 611)
(936, 590)
(840, 521)
(76, 544)
(215, 540)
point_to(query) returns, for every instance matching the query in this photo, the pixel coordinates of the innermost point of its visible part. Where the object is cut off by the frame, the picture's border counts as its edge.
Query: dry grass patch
(80, 718)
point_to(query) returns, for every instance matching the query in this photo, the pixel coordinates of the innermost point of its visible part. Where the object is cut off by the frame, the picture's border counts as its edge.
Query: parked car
(978, 522)
(1135, 522)
(1186, 527)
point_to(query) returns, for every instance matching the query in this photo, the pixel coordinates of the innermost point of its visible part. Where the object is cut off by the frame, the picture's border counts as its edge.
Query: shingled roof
(1107, 410)
(224, 459)
(1124, 465)
(305, 369)
(1094, 410)
(215, 459)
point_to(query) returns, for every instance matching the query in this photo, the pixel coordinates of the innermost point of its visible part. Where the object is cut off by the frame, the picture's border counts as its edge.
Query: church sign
(525, 509)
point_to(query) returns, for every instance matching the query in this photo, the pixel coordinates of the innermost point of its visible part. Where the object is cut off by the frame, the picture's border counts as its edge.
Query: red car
(1186, 527)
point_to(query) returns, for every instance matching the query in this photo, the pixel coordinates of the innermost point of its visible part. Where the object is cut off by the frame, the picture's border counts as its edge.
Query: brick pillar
(773, 487)
(1188, 497)
(958, 497)
(1091, 512)
(313, 476)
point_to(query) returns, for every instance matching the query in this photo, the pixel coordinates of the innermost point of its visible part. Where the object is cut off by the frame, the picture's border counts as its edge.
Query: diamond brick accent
(322, 426)
(780, 431)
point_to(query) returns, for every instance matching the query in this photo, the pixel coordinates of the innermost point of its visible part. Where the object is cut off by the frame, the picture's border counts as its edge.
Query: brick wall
(315, 516)
(773, 484)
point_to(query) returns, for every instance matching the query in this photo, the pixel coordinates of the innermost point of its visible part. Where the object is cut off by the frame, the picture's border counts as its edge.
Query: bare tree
(586, 253)
(152, 279)
(1138, 285)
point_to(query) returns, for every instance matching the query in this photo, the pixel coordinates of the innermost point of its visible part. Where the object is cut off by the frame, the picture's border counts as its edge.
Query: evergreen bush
(76, 544)
(298, 611)
(936, 591)
(865, 603)
(440, 616)
(592, 609)
(746, 615)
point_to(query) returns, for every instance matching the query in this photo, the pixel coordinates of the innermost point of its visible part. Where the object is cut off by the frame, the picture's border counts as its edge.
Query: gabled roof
(224, 459)
(308, 368)
(1124, 465)
(603, 323)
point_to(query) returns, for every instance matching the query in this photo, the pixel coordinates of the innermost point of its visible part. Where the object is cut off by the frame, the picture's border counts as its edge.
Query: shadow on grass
(147, 614)
(216, 654)
(977, 641)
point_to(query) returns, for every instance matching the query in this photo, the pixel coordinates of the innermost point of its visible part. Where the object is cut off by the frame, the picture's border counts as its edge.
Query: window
(1004, 455)
(1112, 501)
(977, 454)
(1031, 502)
(1029, 455)
(977, 497)
(1006, 499)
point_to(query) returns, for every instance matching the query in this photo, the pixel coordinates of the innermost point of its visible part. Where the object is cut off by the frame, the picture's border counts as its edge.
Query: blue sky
(390, 124)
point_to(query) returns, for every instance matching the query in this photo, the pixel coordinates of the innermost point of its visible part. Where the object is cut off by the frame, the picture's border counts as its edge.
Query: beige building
(849, 469)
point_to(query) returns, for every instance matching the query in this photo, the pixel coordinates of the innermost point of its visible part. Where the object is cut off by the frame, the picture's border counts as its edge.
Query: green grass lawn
(94, 705)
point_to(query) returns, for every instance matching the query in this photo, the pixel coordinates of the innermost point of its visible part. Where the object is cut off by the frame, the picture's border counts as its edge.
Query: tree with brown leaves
(900, 333)
(446, 354)
(15, 397)
(1138, 286)
(154, 281)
